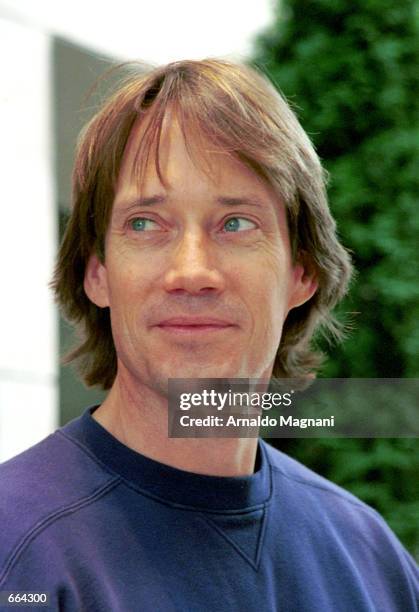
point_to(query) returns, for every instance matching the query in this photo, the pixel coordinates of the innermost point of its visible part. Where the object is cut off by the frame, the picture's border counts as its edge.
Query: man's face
(198, 277)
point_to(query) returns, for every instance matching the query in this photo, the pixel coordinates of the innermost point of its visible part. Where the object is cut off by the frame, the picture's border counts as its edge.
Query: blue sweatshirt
(100, 527)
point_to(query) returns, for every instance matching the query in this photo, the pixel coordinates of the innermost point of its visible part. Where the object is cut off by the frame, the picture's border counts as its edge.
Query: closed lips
(194, 322)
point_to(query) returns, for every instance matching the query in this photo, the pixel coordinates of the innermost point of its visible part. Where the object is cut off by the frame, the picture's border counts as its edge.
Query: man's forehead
(141, 165)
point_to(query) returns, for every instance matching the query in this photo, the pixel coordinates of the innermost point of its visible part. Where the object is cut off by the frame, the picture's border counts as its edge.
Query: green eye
(236, 224)
(141, 224)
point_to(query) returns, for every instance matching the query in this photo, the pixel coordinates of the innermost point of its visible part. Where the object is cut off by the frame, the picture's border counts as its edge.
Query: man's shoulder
(306, 482)
(319, 521)
(327, 505)
(50, 468)
(51, 478)
(314, 509)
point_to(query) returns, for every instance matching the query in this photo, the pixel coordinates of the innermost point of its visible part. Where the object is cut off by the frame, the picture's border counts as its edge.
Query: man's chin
(196, 371)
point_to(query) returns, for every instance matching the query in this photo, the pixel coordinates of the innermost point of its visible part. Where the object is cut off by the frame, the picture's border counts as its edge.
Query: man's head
(198, 194)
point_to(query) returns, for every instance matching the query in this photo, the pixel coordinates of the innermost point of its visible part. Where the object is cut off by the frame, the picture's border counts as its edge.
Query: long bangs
(213, 120)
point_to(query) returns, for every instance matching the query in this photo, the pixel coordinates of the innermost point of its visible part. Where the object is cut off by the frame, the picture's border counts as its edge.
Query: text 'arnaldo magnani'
(283, 408)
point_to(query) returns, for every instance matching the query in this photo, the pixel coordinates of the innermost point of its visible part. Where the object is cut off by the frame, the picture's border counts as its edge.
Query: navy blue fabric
(101, 527)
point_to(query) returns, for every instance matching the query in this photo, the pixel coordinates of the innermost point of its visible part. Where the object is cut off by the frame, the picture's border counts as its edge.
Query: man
(200, 246)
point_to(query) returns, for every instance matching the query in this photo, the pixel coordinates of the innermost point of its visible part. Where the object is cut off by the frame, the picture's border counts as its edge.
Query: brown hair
(241, 113)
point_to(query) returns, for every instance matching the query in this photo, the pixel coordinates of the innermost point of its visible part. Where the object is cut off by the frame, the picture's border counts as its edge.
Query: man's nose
(193, 266)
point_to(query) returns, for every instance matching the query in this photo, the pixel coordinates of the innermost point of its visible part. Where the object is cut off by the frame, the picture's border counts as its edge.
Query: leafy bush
(351, 72)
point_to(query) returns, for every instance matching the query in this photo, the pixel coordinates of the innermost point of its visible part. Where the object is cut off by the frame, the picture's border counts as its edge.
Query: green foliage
(351, 72)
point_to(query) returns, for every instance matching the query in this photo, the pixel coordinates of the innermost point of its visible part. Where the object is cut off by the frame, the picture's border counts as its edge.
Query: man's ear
(304, 283)
(96, 282)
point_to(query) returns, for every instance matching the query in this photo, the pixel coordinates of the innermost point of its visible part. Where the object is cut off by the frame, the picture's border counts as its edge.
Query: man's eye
(237, 224)
(141, 224)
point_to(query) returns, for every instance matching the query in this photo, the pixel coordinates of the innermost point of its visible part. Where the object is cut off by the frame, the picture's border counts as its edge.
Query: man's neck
(137, 417)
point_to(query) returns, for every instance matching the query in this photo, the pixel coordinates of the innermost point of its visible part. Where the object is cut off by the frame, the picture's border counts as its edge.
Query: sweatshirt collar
(170, 484)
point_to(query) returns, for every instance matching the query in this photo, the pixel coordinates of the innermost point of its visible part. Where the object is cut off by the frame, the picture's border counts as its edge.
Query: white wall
(155, 31)
(28, 342)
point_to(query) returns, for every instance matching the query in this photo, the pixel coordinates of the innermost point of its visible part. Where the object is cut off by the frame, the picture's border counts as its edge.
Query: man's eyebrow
(126, 206)
(240, 201)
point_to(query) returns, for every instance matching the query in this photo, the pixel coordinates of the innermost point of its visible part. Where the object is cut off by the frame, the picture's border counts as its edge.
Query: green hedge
(351, 72)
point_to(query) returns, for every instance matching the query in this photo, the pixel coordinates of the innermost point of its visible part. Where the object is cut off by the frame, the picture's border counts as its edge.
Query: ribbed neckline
(170, 484)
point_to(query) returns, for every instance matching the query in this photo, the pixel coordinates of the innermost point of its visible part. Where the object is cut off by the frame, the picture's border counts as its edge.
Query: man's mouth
(194, 324)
